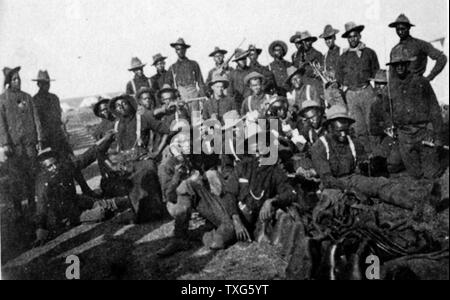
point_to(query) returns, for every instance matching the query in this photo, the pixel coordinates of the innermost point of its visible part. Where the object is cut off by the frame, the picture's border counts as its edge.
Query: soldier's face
(314, 118)
(330, 41)
(256, 86)
(51, 166)
(278, 52)
(104, 112)
(401, 69)
(242, 63)
(167, 97)
(123, 108)
(402, 31)
(146, 100)
(296, 81)
(139, 72)
(218, 89)
(340, 129)
(253, 56)
(219, 58)
(280, 110)
(353, 39)
(44, 86)
(298, 44)
(16, 82)
(380, 88)
(307, 44)
(180, 51)
(160, 65)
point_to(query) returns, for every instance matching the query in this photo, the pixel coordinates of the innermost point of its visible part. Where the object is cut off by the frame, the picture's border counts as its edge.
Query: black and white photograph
(220, 142)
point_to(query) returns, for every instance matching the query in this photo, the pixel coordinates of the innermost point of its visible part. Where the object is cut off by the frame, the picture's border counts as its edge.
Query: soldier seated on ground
(336, 157)
(58, 204)
(192, 182)
(259, 190)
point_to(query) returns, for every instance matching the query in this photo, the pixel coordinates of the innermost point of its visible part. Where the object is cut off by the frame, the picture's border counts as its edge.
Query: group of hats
(42, 74)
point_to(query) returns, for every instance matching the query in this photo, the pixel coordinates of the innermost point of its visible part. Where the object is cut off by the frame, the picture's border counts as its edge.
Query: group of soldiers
(343, 126)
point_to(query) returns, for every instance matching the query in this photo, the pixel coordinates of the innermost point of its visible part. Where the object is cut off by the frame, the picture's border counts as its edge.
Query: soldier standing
(270, 85)
(139, 80)
(279, 66)
(187, 76)
(355, 68)
(418, 48)
(20, 137)
(334, 51)
(49, 113)
(237, 76)
(162, 76)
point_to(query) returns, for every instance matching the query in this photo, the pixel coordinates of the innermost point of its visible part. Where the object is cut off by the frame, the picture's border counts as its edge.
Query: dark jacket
(187, 73)
(414, 102)
(422, 50)
(218, 107)
(356, 72)
(19, 121)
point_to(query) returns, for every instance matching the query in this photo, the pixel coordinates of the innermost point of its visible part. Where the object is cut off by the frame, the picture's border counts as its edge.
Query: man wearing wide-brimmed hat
(49, 113)
(162, 76)
(418, 48)
(307, 53)
(334, 51)
(278, 50)
(219, 103)
(20, 136)
(336, 158)
(417, 117)
(101, 110)
(357, 65)
(302, 88)
(187, 76)
(270, 85)
(139, 80)
(258, 101)
(240, 89)
(220, 68)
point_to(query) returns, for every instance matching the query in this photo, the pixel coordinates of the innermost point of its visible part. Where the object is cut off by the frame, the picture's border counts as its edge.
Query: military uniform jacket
(19, 121)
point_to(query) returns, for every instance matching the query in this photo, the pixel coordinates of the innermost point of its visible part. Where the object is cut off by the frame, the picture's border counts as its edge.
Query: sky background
(87, 45)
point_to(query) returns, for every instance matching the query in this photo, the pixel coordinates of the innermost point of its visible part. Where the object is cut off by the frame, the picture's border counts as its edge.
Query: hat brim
(223, 52)
(45, 80)
(259, 51)
(278, 43)
(311, 38)
(358, 29)
(143, 91)
(247, 80)
(241, 57)
(304, 110)
(339, 117)
(137, 67)
(226, 82)
(46, 155)
(294, 38)
(394, 24)
(113, 101)
(166, 90)
(158, 60)
(186, 46)
(97, 106)
(395, 62)
(329, 34)
(289, 79)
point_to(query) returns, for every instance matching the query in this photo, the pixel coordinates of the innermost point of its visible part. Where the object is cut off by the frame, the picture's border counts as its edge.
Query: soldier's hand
(240, 230)
(266, 211)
